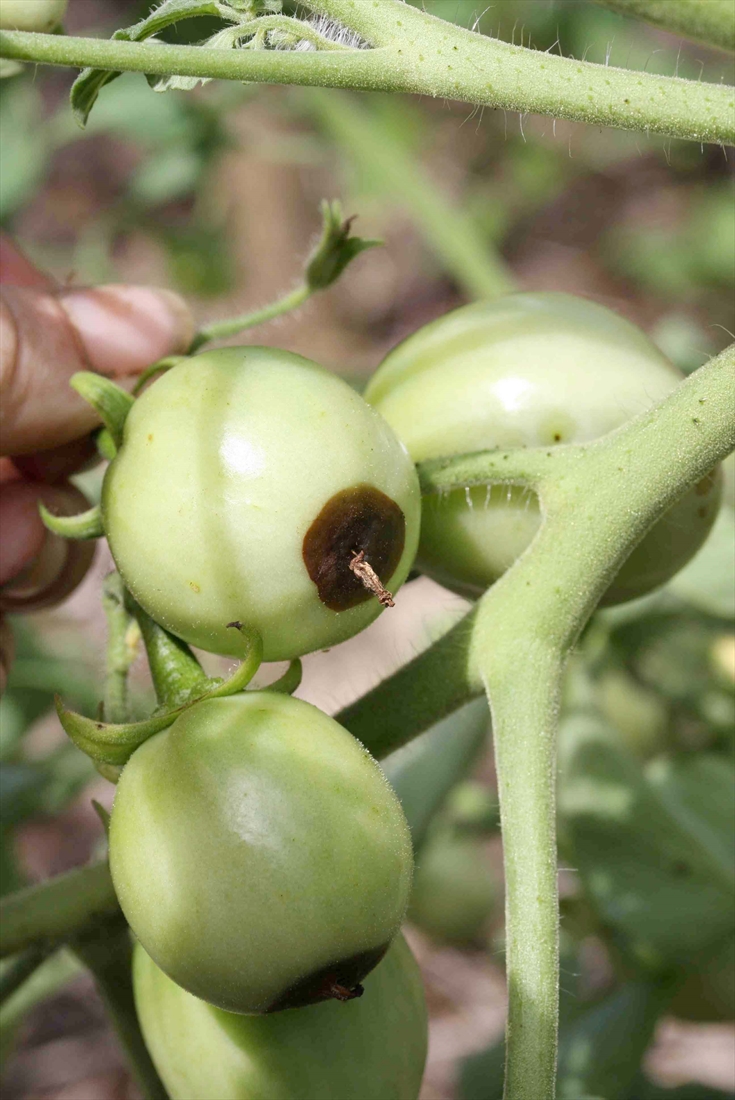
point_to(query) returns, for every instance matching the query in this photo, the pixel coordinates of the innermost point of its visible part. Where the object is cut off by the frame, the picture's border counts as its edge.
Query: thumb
(48, 335)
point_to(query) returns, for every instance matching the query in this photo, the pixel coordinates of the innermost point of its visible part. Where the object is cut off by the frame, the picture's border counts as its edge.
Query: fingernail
(125, 328)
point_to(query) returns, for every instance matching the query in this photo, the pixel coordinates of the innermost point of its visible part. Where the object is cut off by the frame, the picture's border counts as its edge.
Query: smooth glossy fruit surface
(31, 15)
(259, 853)
(373, 1048)
(247, 480)
(527, 370)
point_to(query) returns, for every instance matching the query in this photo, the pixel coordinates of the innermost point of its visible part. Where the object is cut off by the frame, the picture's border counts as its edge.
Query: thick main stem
(523, 684)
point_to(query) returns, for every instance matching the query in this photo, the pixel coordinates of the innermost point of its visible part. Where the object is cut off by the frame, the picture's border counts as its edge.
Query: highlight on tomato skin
(223, 503)
(528, 370)
(373, 1048)
(259, 854)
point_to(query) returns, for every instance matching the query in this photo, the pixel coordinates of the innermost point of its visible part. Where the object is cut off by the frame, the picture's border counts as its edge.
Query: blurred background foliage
(215, 193)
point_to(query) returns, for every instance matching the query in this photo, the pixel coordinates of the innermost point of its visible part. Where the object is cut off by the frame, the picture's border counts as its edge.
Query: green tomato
(527, 370)
(454, 893)
(259, 853)
(31, 15)
(373, 1048)
(247, 480)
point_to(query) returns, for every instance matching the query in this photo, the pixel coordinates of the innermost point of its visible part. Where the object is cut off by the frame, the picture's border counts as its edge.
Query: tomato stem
(420, 54)
(177, 674)
(221, 330)
(123, 638)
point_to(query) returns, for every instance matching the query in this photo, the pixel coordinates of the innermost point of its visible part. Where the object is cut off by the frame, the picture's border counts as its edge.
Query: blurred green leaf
(601, 1051)
(424, 771)
(646, 858)
(643, 1089)
(454, 891)
(24, 150)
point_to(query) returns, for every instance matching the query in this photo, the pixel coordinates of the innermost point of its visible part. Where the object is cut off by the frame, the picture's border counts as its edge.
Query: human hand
(47, 333)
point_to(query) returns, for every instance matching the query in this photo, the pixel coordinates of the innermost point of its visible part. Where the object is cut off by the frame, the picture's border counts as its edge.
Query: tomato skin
(373, 1048)
(31, 15)
(228, 462)
(527, 370)
(257, 848)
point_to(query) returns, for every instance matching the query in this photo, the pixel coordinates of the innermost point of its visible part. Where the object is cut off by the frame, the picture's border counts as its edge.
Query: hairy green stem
(601, 501)
(176, 672)
(221, 330)
(56, 909)
(710, 21)
(123, 636)
(420, 54)
(107, 952)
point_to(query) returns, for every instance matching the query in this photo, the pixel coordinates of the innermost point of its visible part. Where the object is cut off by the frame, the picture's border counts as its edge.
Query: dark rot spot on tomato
(338, 981)
(353, 520)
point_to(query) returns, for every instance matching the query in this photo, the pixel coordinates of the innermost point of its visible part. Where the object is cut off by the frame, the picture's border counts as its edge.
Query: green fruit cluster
(257, 850)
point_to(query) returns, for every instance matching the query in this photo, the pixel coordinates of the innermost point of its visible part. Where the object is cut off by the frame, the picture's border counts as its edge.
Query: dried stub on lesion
(354, 546)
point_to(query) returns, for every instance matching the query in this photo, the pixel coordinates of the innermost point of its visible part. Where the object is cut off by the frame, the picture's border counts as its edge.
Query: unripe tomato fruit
(246, 481)
(373, 1048)
(259, 853)
(527, 370)
(31, 15)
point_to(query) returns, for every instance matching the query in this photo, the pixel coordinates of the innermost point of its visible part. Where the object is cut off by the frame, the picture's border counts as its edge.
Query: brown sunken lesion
(357, 521)
(338, 981)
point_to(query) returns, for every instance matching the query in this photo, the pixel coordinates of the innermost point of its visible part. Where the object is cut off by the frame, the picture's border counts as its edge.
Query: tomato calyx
(180, 683)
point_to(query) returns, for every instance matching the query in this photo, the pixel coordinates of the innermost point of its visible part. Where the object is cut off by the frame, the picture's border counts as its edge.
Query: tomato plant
(374, 1048)
(257, 507)
(528, 370)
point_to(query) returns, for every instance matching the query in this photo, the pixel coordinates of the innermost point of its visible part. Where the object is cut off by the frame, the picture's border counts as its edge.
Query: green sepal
(336, 248)
(103, 815)
(85, 525)
(105, 444)
(160, 367)
(111, 401)
(287, 684)
(114, 743)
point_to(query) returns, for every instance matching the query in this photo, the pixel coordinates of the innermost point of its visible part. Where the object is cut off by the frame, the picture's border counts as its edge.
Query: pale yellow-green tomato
(527, 370)
(259, 853)
(373, 1048)
(31, 15)
(247, 481)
